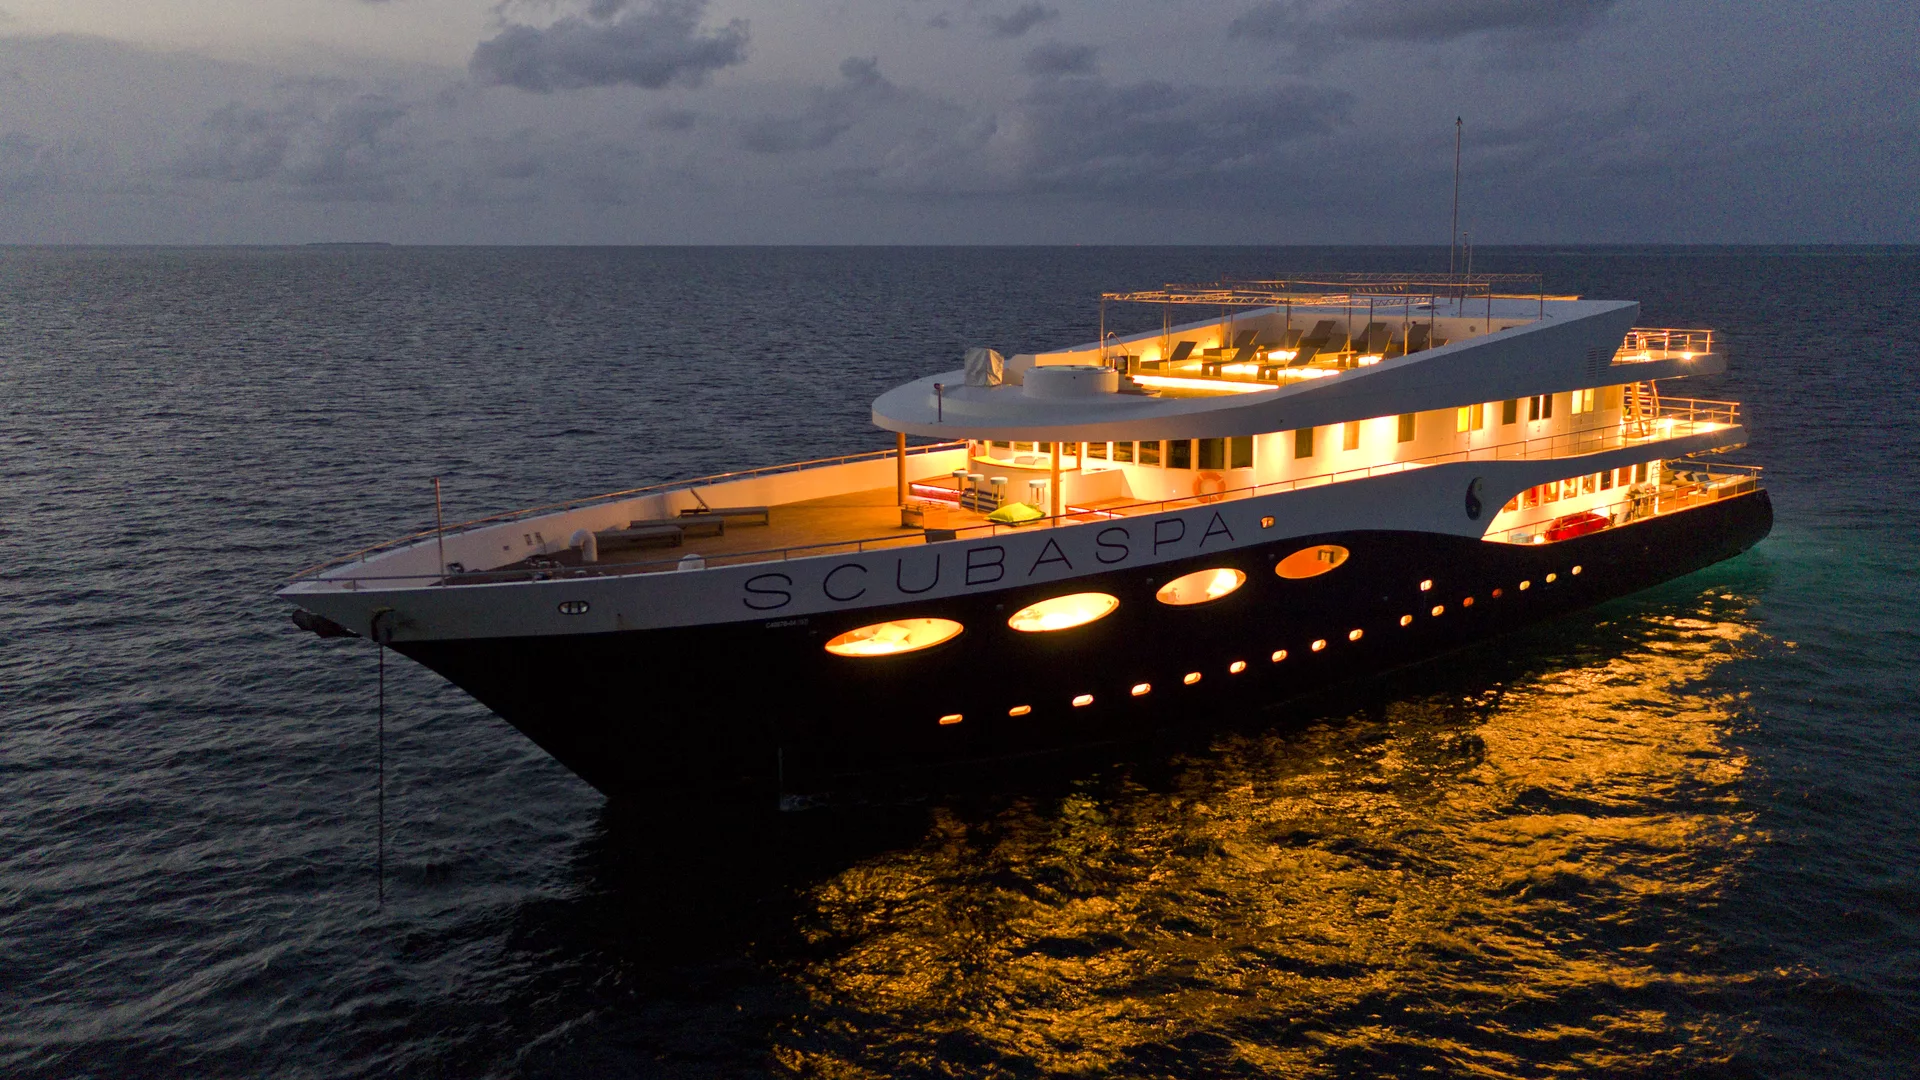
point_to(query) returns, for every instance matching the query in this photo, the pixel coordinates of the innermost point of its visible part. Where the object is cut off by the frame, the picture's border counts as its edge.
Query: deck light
(1468, 602)
(1576, 569)
(1279, 655)
(1020, 710)
(1200, 586)
(1438, 610)
(1355, 635)
(1175, 382)
(1083, 699)
(1498, 593)
(1525, 585)
(894, 637)
(1406, 620)
(1551, 578)
(1141, 689)
(950, 718)
(1319, 643)
(1426, 585)
(1236, 667)
(1191, 678)
(1063, 612)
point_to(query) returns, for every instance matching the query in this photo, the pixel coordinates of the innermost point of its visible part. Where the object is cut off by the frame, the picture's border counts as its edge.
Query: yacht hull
(737, 704)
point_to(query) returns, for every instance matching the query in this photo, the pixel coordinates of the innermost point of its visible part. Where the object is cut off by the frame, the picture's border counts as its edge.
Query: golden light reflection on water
(1488, 878)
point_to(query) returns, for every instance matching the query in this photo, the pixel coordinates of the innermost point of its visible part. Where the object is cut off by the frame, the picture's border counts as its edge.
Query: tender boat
(1317, 479)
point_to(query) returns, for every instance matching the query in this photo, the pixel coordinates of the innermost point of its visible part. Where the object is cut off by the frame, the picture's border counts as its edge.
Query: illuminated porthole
(1355, 635)
(1468, 602)
(1551, 578)
(1311, 562)
(1191, 678)
(1525, 585)
(950, 718)
(894, 637)
(1279, 655)
(1319, 643)
(1236, 667)
(1576, 569)
(1200, 586)
(1498, 593)
(1266, 523)
(1063, 612)
(1141, 689)
(1406, 620)
(1082, 700)
(1020, 710)
(1426, 585)
(1439, 610)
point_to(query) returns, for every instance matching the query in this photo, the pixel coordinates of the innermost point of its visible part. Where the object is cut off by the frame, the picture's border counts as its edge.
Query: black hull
(726, 705)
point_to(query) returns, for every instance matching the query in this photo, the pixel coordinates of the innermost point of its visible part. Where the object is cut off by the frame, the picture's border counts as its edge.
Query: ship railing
(1685, 484)
(370, 551)
(1644, 343)
(1563, 445)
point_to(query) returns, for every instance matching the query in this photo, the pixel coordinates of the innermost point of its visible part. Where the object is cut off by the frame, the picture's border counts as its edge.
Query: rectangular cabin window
(1546, 406)
(1213, 453)
(1097, 451)
(1303, 443)
(1240, 452)
(1406, 427)
(1023, 447)
(1640, 473)
(1509, 411)
(1586, 400)
(1044, 448)
(1003, 446)
(1350, 435)
(1533, 408)
(1469, 418)
(1123, 451)
(1150, 453)
(1606, 480)
(1179, 453)
(1069, 449)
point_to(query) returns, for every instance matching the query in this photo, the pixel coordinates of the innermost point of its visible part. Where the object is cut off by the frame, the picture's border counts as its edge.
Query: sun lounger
(640, 534)
(739, 515)
(1181, 350)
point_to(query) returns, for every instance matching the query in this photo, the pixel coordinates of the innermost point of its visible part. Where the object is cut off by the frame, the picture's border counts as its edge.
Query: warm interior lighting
(1311, 562)
(1576, 569)
(1200, 586)
(1406, 620)
(1426, 585)
(1438, 610)
(1525, 585)
(1236, 667)
(1191, 678)
(1140, 689)
(950, 718)
(1319, 643)
(1498, 593)
(1083, 699)
(1354, 635)
(1279, 655)
(1266, 523)
(1551, 578)
(1063, 612)
(894, 637)
(1175, 382)
(1468, 602)
(1020, 710)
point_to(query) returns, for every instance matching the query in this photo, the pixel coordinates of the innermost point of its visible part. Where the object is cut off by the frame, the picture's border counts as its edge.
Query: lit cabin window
(1082, 700)
(1191, 678)
(1063, 612)
(1355, 635)
(950, 718)
(893, 638)
(1200, 586)
(1141, 689)
(1020, 710)
(1406, 620)
(1311, 562)
(1319, 643)
(1236, 667)
(1279, 655)
(1439, 610)
(1426, 585)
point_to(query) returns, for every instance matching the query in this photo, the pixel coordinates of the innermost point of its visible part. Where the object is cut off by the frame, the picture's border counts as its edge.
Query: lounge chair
(739, 515)
(1181, 350)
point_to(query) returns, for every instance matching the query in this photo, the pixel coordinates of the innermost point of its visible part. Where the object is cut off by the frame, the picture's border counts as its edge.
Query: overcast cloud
(688, 121)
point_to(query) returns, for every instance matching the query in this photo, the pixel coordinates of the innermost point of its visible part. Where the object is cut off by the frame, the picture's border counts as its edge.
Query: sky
(958, 121)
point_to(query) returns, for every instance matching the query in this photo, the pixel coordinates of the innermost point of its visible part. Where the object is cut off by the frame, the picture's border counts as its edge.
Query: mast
(1453, 230)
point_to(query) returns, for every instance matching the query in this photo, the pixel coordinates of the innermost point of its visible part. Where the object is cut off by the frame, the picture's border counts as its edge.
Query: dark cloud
(673, 120)
(1020, 20)
(339, 149)
(829, 113)
(1310, 24)
(616, 42)
(1057, 58)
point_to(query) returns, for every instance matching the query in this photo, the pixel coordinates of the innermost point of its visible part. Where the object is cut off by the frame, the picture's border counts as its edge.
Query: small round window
(1200, 586)
(893, 638)
(1311, 562)
(1063, 612)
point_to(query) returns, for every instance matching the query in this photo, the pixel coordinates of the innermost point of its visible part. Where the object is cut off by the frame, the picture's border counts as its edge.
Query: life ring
(1209, 487)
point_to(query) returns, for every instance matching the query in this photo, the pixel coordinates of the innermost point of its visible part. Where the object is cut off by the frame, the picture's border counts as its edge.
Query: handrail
(1645, 343)
(589, 500)
(1589, 441)
(1651, 501)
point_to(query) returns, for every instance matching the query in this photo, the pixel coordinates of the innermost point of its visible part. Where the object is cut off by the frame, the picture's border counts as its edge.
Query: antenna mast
(1453, 232)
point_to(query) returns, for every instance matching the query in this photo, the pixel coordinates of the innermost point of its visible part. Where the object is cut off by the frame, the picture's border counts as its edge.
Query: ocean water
(1674, 836)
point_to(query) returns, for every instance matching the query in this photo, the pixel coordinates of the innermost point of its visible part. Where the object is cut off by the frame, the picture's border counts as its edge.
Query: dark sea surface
(1679, 835)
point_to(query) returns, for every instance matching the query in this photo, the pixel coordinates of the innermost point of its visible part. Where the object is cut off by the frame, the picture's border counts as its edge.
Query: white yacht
(1312, 480)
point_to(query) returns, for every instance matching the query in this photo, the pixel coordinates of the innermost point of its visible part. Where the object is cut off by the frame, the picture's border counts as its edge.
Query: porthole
(1191, 678)
(1439, 610)
(1406, 620)
(1063, 612)
(894, 637)
(1319, 644)
(1141, 689)
(1551, 578)
(1311, 562)
(1266, 523)
(1525, 585)
(1576, 569)
(1498, 593)
(1020, 710)
(580, 607)
(1355, 635)
(1236, 667)
(1200, 586)
(1468, 602)
(1083, 699)
(1426, 585)
(1279, 655)
(950, 718)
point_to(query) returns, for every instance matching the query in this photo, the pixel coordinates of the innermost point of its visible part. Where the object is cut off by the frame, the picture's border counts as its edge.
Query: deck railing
(1649, 343)
(1684, 484)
